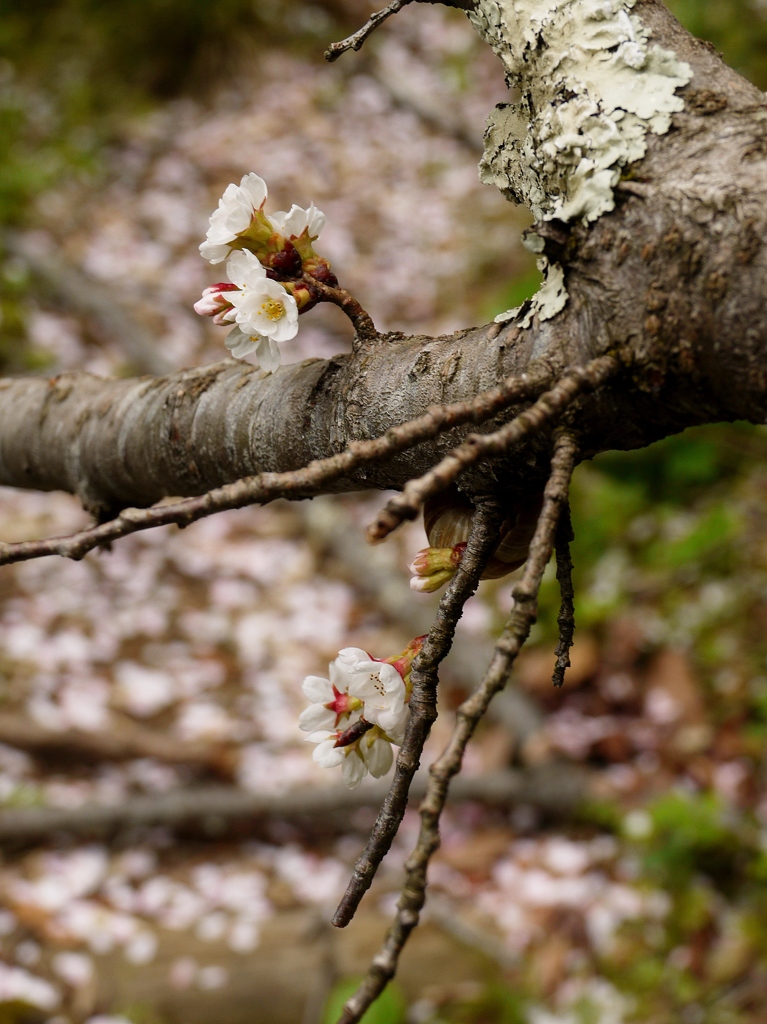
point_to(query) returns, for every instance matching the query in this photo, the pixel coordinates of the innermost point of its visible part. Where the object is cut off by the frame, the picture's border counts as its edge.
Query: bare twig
(361, 320)
(523, 615)
(566, 617)
(207, 811)
(549, 406)
(299, 483)
(423, 705)
(356, 41)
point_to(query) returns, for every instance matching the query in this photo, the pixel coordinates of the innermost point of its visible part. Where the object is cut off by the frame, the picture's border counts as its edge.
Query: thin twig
(549, 406)
(523, 615)
(356, 41)
(303, 482)
(566, 617)
(423, 705)
(361, 320)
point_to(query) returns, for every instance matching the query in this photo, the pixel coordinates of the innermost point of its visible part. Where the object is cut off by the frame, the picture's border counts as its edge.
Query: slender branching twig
(356, 41)
(297, 484)
(469, 714)
(423, 704)
(361, 320)
(566, 617)
(476, 447)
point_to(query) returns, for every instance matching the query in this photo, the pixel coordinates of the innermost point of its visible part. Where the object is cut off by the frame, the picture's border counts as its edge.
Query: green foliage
(692, 836)
(737, 28)
(389, 1008)
(659, 520)
(514, 293)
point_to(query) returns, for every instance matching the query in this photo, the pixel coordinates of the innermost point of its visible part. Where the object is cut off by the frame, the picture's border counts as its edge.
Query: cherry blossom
(264, 312)
(371, 753)
(359, 688)
(296, 221)
(260, 306)
(236, 211)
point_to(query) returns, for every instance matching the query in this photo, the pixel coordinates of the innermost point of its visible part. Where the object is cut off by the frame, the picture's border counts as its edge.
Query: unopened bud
(305, 296)
(214, 302)
(404, 662)
(285, 262)
(324, 275)
(433, 567)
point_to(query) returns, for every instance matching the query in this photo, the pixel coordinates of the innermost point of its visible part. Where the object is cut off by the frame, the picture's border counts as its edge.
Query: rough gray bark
(672, 281)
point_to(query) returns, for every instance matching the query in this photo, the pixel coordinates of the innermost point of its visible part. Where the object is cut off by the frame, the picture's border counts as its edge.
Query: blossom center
(272, 309)
(343, 704)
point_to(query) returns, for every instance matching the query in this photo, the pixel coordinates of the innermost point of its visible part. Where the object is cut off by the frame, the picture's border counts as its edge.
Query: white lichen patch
(591, 88)
(550, 298)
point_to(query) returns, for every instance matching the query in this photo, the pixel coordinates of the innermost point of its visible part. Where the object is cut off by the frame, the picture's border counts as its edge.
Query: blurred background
(171, 855)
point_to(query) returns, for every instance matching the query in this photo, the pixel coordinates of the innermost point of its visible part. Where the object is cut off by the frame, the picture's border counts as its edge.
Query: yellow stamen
(272, 309)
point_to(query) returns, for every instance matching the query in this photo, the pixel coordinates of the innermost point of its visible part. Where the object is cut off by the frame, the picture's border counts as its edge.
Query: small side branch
(476, 447)
(566, 617)
(423, 705)
(300, 483)
(357, 40)
(469, 714)
(360, 318)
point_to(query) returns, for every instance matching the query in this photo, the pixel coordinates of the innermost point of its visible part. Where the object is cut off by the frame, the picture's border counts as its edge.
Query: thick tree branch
(301, 483)
(469, 714)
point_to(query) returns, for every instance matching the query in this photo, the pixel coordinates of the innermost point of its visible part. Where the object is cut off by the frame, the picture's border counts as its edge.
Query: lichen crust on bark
(592, 87)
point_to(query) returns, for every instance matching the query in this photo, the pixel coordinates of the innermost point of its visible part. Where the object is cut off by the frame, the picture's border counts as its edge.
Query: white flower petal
(268, 355)
(316, 221)
(353, 770)
(295, 221)
(318, 737)
(317, 689)
(354, 658)
(244, 268)
(240, 344)
(255, 189)
(316, 716)
(327, 755)
(377, 754)
(277, 220)
(214, 252)
(393, 723)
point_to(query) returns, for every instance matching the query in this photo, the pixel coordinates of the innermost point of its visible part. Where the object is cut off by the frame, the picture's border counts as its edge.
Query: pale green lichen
(591, 88)
(550, 298)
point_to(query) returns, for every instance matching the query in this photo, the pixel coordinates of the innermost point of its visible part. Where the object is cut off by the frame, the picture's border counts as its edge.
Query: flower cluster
(356, 715)
(272, 269)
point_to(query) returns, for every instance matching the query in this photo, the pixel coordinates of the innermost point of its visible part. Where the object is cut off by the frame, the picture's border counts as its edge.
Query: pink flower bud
(213, 302)
(433, 567)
